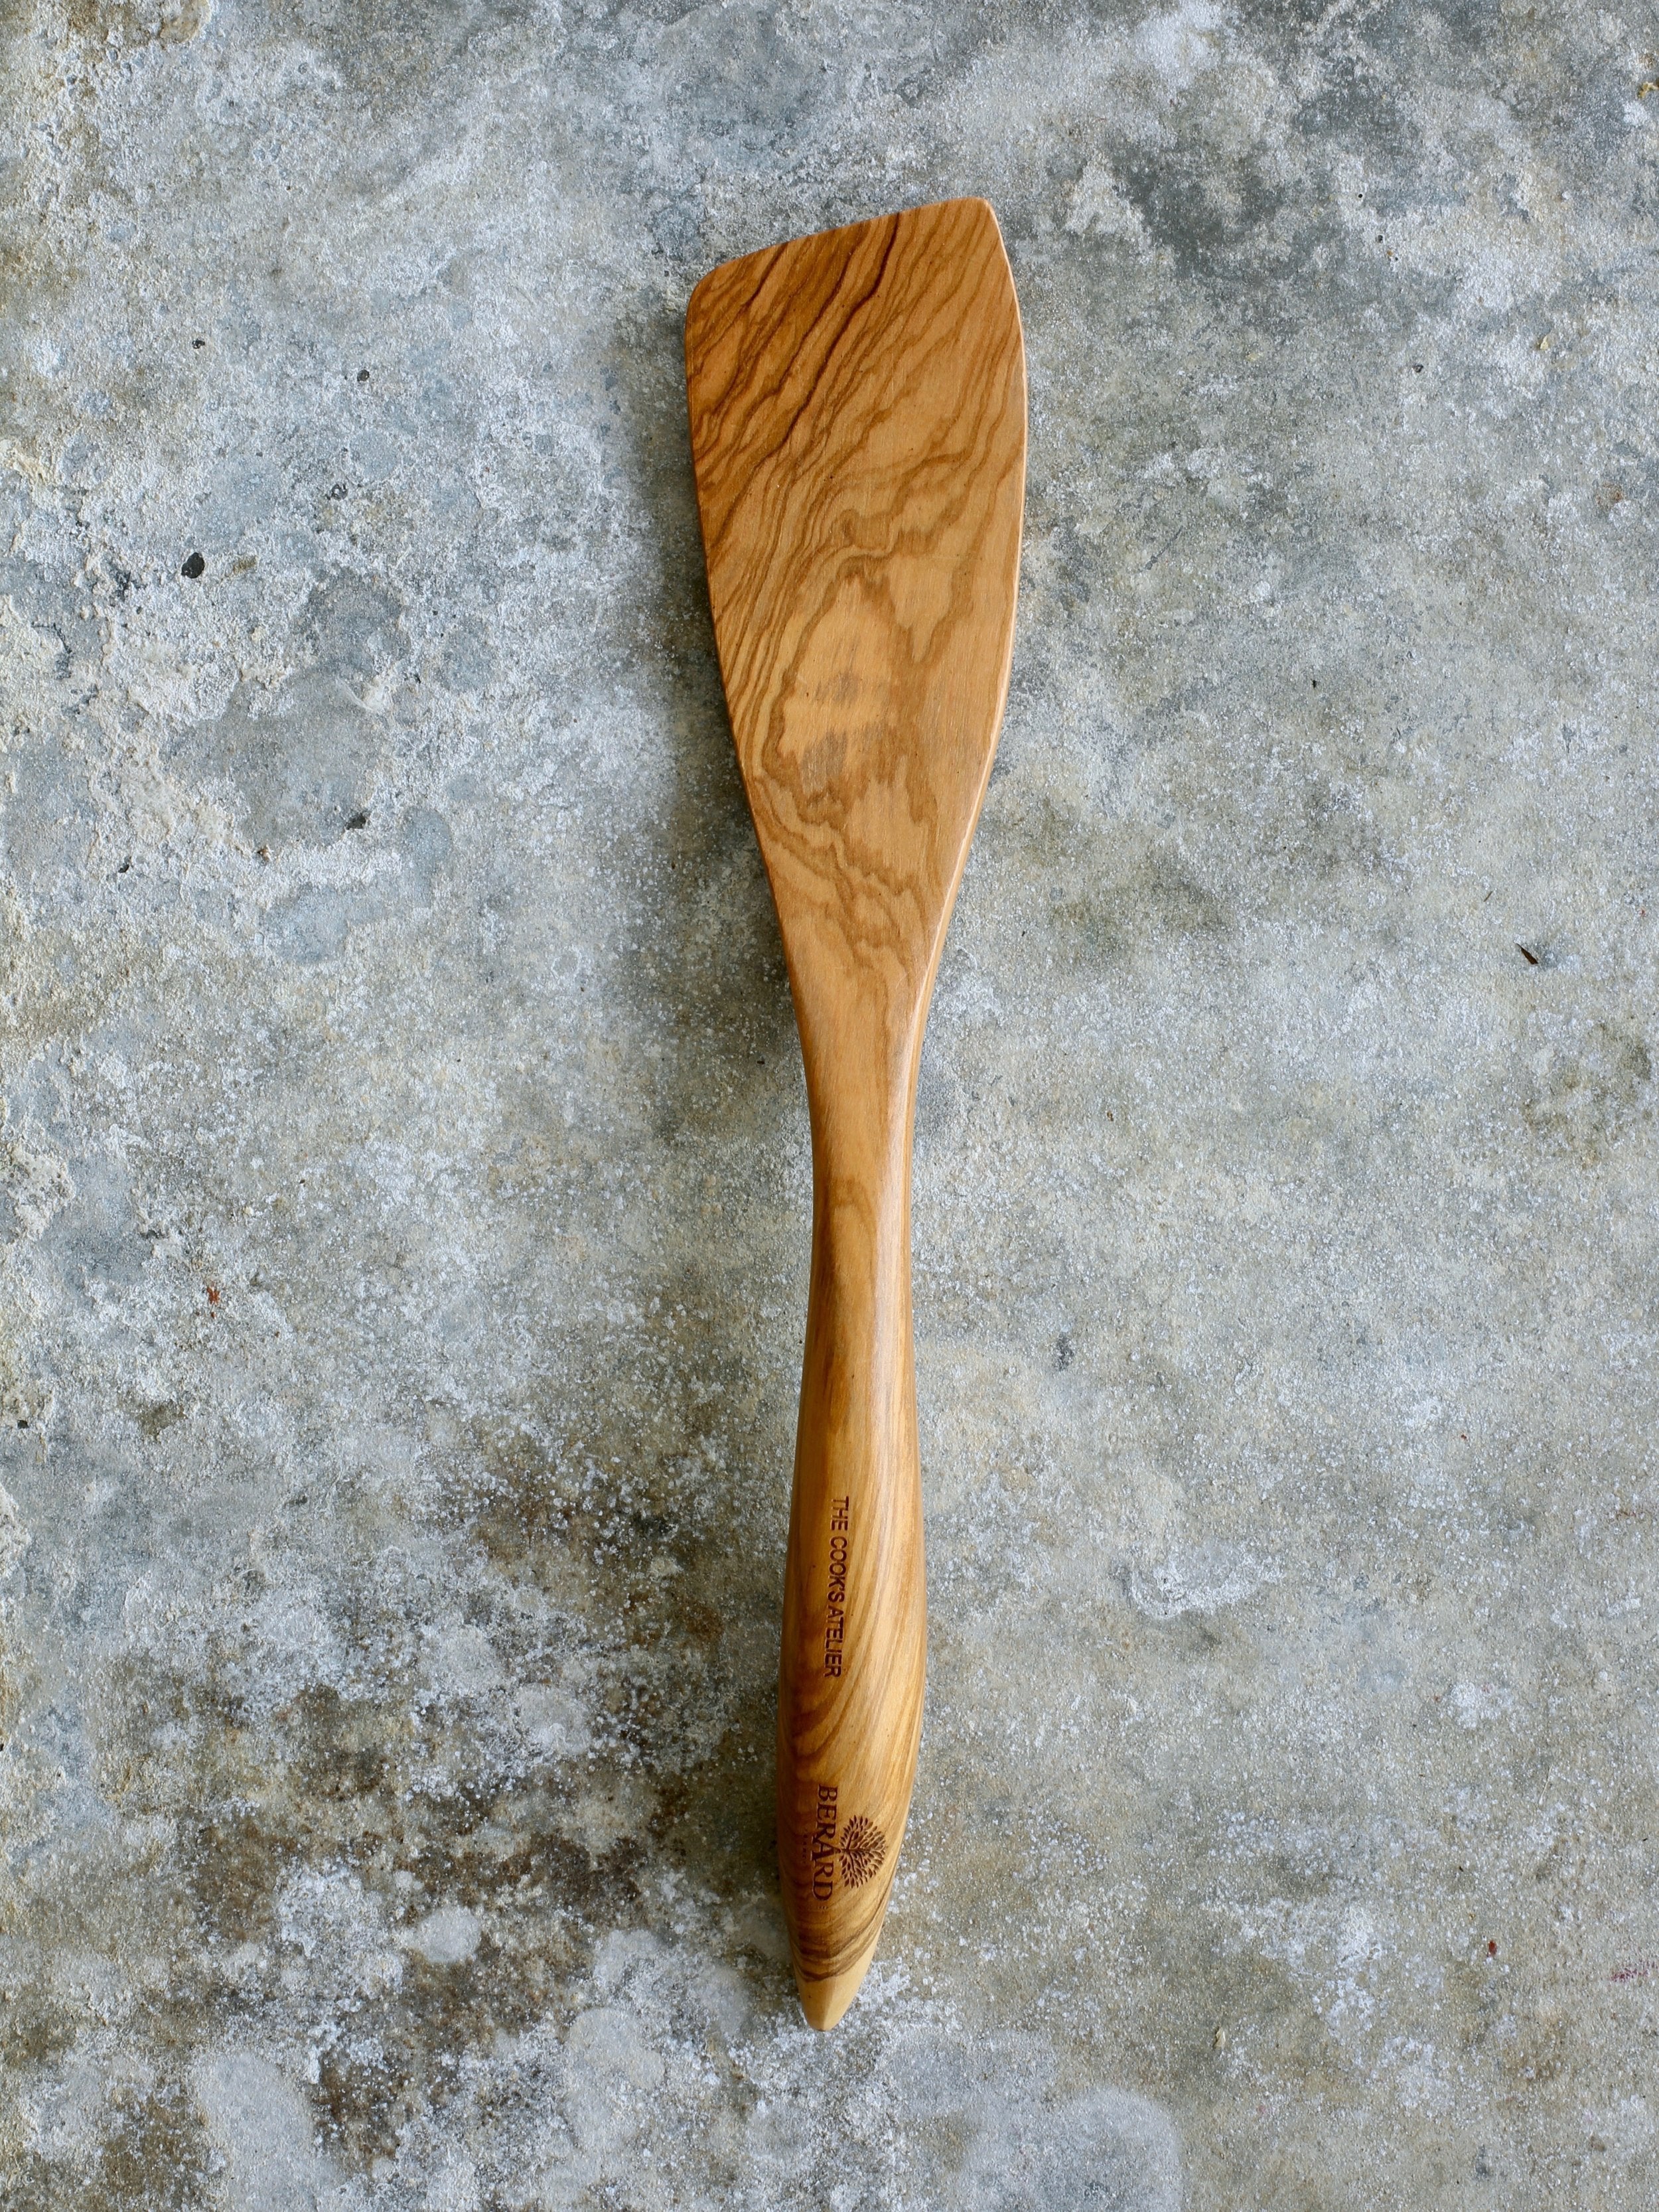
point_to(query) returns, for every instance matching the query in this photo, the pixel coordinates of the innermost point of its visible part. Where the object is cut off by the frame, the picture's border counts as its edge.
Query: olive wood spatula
(858, 424)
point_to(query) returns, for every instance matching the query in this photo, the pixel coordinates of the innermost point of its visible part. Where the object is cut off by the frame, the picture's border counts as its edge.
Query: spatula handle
(855, 1613)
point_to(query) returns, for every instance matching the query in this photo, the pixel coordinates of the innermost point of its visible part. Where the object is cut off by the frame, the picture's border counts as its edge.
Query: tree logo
(863, 1848)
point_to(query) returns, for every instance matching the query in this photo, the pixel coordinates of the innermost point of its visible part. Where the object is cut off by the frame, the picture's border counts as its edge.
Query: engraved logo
(863, 1848)
(824, 1843)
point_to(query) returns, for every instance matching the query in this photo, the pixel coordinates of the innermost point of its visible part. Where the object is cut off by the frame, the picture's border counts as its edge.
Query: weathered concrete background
(405, 1163)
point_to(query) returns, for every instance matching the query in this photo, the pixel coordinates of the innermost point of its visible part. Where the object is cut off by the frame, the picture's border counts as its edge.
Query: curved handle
(854, 1653)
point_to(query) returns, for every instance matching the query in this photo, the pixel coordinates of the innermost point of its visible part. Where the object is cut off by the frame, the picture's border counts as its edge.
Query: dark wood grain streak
(858, 423)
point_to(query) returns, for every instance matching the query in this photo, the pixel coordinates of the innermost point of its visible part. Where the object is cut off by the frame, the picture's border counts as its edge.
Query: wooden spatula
(858, 421)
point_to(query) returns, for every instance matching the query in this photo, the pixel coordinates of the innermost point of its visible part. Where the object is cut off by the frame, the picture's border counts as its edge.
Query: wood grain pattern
(858, 424)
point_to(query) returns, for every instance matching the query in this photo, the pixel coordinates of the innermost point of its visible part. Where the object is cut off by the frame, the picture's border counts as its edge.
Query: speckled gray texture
(404, 1170)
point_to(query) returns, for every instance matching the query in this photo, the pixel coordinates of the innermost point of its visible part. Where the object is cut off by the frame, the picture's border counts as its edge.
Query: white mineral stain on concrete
(447, 1937)
(403, 1162)
(14, 1536)
(261, 2126)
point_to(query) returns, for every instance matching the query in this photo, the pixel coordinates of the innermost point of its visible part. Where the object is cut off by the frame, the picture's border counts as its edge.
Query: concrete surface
(405, 1168)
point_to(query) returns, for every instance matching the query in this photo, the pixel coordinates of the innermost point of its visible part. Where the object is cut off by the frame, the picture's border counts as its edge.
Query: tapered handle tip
(823, 2000)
